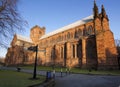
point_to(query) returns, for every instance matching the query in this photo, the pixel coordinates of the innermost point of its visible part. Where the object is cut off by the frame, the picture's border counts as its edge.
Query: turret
(104, 19)
(103, 13)
(95, 10)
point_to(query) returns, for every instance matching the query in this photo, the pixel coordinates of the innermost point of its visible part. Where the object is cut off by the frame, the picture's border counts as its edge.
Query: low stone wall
(49, 83)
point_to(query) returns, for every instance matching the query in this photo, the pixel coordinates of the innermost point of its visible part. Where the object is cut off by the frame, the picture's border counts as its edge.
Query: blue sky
(54, 14)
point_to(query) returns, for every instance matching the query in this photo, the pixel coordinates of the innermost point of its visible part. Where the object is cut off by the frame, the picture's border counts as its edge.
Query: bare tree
(117, 42)
(118, 50)
(10, 21)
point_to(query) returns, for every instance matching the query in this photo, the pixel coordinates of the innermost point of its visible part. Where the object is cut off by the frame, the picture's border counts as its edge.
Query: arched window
(79, 32)
(76, 34)
(40, 32)
(71, 35)
(59, 38)
(90, 30)
(65, 37)
(84, 32)
(68, 35)
(51, 41)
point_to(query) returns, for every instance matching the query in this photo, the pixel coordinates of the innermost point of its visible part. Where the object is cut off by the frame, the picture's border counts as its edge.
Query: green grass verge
(96, 72)
(17, 79)
(38, 67)
(77, 70)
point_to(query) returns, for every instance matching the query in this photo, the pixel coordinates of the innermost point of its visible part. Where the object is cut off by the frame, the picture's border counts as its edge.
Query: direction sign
(32, 48)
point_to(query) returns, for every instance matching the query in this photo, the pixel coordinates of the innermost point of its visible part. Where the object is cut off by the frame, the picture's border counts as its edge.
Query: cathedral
(87, 43)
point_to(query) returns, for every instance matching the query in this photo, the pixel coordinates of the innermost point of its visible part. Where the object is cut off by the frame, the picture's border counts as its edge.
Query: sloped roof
(77, 23)
(26, 39)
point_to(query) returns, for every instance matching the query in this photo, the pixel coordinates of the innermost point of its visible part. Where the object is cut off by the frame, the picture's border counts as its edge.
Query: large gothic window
(90, 47)
(91, 53)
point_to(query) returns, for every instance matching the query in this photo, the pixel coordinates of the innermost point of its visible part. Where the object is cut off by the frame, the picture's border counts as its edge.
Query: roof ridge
(27, 39)
(69, 26)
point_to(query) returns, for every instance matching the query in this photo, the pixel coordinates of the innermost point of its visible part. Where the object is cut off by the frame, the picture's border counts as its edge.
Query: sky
(54, 14)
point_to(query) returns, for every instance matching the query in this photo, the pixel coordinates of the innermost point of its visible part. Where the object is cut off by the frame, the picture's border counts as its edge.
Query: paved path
(80, 80)
(57, 74)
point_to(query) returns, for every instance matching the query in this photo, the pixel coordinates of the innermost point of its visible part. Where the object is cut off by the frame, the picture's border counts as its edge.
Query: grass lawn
(17, 79)
(77, 70)
(98, 72)
(38, 67)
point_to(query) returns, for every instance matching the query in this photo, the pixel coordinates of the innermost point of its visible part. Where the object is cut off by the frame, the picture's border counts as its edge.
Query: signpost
(34, 73)
(35, 49)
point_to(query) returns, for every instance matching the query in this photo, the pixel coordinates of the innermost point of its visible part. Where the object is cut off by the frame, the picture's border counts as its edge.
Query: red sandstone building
(87, 43)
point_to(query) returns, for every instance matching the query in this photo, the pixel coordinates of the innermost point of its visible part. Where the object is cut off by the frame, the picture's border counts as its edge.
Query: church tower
(36, 32)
